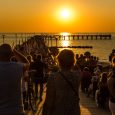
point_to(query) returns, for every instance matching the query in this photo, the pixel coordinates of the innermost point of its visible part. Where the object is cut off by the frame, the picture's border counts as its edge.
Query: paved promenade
(87, 105)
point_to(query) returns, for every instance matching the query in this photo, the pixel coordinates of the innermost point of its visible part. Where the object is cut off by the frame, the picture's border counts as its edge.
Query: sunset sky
(57, 15)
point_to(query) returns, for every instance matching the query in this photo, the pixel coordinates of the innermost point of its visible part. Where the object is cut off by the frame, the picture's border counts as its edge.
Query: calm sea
(101, 48)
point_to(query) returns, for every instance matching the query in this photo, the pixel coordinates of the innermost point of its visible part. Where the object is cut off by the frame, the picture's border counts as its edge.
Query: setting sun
(65, 13)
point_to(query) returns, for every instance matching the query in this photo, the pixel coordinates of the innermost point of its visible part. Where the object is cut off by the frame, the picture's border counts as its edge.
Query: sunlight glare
(66, 37)
(65, 13)
(65, 34)
(65, 43)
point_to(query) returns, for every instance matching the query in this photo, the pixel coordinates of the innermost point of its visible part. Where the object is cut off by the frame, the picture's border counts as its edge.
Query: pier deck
(87, 106)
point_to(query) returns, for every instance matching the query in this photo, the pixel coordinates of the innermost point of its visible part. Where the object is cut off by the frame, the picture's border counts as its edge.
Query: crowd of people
(86, 73)
(96, 81)
(70, 73)
(17, 64)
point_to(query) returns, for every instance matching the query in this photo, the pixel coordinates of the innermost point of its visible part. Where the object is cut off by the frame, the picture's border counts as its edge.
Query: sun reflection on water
(64, 33)
(66, 41)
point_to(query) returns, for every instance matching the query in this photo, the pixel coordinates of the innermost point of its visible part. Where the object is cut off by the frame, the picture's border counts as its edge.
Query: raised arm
(21, 58)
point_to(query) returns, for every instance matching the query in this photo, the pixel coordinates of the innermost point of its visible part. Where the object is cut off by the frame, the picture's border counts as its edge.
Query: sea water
(101, 48)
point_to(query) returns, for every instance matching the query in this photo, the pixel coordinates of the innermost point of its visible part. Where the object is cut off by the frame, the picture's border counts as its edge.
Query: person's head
(113, 50)
(104, 77)
(113, 64)
(66, 59)
(77, 56)
(13, 59)
(29, 57)
(39, 57)
(86, 69)
(33, 56)
(5, 52)
(113, 61)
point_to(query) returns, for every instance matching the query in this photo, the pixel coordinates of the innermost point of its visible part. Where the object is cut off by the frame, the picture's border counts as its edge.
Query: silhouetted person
(10, 81)
(111, 87)
(62, 97)
(85, 80)
(39, 66)
(102, 94)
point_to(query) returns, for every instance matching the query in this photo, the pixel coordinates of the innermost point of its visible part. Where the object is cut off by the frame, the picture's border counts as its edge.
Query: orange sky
(44, 16)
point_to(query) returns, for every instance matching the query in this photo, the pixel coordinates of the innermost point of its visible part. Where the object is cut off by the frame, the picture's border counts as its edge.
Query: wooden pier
(79, 37)
(49, 38)
(56, 38)
(87, 106)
